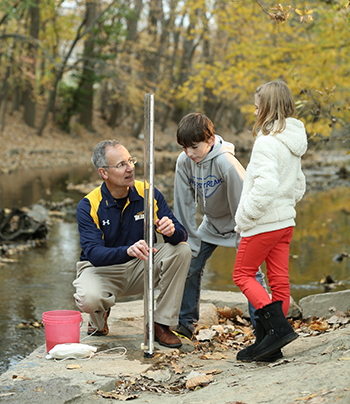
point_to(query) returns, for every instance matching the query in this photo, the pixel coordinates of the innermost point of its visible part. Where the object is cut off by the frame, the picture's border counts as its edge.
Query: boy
(207, 169)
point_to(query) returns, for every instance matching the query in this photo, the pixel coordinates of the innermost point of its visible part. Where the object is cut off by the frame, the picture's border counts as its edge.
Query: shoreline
(314, 368)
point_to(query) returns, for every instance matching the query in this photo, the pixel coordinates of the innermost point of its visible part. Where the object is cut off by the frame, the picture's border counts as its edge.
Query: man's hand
(139, 250)
(165, 226)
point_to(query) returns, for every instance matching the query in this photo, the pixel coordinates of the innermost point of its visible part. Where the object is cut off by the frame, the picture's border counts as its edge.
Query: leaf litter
(179, 372)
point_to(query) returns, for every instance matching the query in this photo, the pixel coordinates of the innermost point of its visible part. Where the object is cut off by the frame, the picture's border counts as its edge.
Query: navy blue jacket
(107, 230)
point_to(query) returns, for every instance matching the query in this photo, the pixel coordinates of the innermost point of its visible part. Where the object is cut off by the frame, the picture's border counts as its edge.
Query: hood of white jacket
(294, 136)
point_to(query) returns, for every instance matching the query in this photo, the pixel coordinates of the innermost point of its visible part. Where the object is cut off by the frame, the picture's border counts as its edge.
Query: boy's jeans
(189, 312)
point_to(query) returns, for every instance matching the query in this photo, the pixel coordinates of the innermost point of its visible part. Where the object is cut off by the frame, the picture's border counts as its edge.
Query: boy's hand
(139, 250)
(165, 226)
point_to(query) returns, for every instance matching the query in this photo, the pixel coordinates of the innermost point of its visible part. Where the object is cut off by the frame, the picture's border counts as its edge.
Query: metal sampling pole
(149, 226)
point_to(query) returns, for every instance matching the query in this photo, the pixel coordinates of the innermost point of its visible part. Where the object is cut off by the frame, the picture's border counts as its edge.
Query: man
(111, 227)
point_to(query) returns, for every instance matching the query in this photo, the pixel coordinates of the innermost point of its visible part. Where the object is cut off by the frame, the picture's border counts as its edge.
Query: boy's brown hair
(194, 128)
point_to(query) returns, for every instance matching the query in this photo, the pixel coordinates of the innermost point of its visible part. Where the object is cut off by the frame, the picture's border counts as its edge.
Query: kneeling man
(111, 227)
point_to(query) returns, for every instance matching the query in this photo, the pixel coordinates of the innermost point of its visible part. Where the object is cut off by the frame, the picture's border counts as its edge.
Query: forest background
(64, 61)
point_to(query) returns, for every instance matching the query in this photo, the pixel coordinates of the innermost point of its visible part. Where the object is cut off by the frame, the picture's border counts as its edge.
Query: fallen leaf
(205, 335)
(240, 320)
(215, 356)
(226, 312)
(319, 325)
(70, 367)
(328, 350)
(198, 381)
(212, 371)
(248, 332)
(177, 369)
(306, 398)
(218, 328)
(21, 377)
(114, 394)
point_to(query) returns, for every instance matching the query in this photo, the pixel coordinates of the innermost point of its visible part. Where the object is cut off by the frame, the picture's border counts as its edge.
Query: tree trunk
(115, 114)
(189, 46)
(16, 96)
(28, 94)
(85, 90)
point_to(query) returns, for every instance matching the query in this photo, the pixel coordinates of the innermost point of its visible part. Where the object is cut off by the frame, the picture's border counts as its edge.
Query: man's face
(198, 151)
(122, 177)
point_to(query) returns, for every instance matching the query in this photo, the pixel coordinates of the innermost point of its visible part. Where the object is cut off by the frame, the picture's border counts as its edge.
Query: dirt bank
(21, 148)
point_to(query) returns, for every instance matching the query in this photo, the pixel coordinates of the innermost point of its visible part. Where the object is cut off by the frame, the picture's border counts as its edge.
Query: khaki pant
(97, 288)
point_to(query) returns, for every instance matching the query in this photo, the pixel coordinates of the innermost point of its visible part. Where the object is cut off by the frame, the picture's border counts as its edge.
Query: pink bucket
(61, 326)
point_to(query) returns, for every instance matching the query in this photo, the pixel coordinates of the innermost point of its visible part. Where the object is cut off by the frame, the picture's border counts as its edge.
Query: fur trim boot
(278, 330)
(247, 354)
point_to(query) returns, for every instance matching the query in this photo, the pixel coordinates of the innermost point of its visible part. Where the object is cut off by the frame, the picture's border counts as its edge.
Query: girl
(273, 184)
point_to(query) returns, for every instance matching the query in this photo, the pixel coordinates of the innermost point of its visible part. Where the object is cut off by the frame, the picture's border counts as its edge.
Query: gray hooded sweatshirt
(217, 181)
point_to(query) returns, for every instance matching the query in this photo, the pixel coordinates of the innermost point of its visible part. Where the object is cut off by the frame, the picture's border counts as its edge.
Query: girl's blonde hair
(276, 103)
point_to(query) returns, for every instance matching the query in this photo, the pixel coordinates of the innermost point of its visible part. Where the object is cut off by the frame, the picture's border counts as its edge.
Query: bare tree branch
(4, 18)
(33, 41)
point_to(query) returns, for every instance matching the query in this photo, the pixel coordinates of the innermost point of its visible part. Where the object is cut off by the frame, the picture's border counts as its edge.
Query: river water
(41, 279)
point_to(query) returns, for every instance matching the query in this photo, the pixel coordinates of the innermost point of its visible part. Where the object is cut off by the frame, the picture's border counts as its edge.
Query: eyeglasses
(132, 161)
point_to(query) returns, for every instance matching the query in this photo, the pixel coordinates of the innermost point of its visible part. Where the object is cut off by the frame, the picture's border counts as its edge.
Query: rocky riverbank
(314, 369)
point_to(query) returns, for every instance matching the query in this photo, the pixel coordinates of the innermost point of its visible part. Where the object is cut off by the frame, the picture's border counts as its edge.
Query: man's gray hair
(98, 158)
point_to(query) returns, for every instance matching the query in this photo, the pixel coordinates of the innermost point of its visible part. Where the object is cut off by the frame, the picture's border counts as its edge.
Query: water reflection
(322, 232)
(40, 281)
(42, 278)
(28, 187)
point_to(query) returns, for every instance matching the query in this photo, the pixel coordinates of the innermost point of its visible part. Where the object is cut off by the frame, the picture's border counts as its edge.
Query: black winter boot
(278, 330)
(247, 354)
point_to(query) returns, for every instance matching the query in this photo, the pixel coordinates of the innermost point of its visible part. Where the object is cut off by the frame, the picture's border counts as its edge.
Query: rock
(39, 213)
(20, 226)
(208, 315)
(324, 304)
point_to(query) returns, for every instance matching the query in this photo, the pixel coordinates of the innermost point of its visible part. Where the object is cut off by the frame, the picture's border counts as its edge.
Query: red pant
(273, 248)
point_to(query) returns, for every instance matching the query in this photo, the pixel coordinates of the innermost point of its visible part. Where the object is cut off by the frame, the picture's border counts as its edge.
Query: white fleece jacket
(274, 181)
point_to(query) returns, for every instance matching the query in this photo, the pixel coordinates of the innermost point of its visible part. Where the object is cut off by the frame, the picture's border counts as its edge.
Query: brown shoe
(105, 329)
(165, 337)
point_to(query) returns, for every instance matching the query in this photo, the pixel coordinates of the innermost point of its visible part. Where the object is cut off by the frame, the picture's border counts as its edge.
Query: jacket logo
(208, 186)
(139, 216)
(105, 222)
